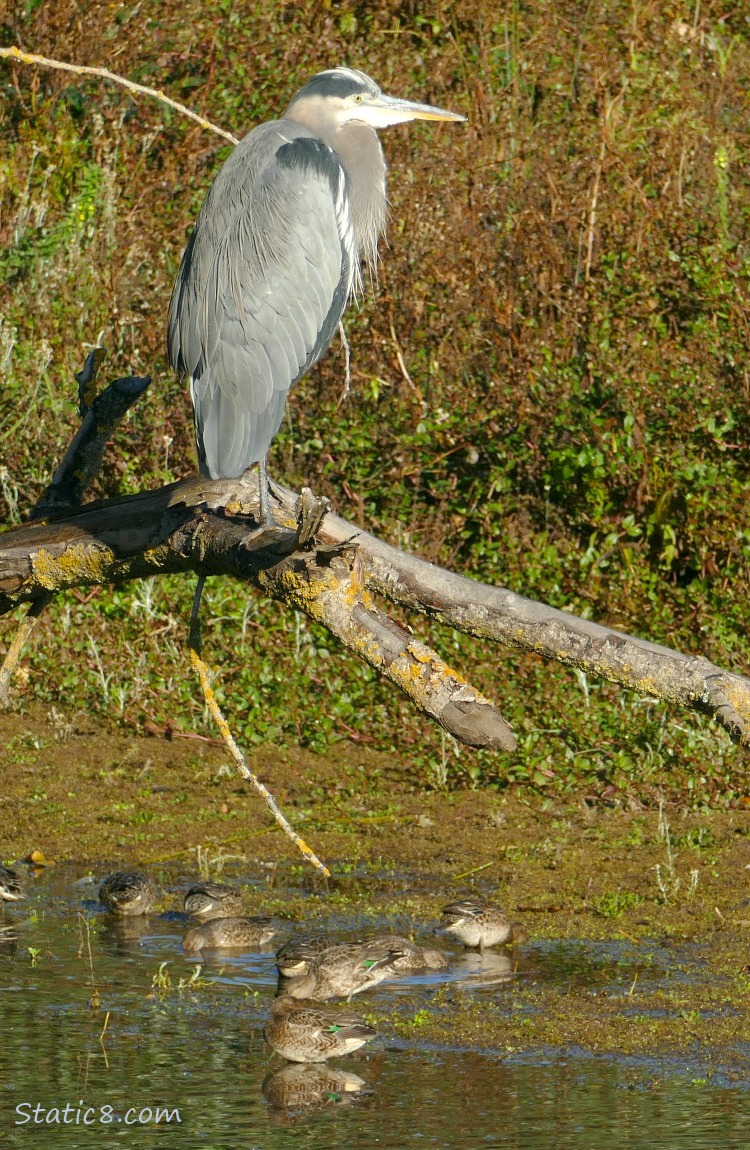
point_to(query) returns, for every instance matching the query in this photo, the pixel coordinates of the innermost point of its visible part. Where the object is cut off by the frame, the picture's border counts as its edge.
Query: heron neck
(362, 159)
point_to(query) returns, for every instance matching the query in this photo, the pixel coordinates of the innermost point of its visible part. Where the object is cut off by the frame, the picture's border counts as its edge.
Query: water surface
(197, 1051)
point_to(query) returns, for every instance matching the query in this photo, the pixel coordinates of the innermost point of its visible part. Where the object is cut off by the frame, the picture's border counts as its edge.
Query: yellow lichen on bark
(419, 671)
(736, 696)
(365, 645)
(78, 564)
(297, 588)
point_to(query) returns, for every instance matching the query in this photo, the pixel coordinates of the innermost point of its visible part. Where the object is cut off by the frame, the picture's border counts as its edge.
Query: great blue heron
(275, 256)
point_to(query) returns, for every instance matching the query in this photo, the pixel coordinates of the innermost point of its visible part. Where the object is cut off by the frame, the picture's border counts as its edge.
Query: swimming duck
(480, 924)
(126, 893)
(229, 934)
(302, 1033)
(207, 900)
(10, 886)
(343, 970)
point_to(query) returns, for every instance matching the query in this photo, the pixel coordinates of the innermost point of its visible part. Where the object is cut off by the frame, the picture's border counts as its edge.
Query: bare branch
(331, 570)
(21, 637)
(174, 529)
(328, 586)
(14, 53)
(502, 616)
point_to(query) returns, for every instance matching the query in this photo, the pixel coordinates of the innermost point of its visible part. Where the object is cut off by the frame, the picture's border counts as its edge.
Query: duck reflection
(488, 968)
(122, 935)
(8, 939)
(307, 1085)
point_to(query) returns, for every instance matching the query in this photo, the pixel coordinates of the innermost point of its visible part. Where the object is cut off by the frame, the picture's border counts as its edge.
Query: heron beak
(388, 110)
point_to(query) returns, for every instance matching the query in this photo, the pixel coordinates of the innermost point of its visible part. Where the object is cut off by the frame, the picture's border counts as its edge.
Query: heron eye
(358, 99)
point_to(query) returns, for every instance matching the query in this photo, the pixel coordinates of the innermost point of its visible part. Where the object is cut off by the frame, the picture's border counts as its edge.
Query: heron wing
(261, 289)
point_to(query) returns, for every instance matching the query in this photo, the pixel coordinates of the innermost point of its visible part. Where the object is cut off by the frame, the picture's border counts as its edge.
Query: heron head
(343, 96)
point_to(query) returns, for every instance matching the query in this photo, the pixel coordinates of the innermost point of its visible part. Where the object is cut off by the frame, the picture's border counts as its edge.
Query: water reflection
(308, 1085)
(490, 968)
(8, 938)
(122, 936)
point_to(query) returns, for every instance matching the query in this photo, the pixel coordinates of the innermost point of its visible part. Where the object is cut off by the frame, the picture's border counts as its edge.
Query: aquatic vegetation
(615, 903)
(163, 984)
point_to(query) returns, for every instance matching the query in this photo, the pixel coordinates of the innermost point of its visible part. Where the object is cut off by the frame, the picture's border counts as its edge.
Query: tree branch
(14, 53)
(502, 616)
(100, 415)
(205, 525)
(328, 585)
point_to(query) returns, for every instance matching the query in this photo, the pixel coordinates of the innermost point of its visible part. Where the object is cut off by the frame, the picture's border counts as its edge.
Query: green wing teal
(229, 934)
(10, 885)
(303, 1033)
(480, 924)
(207, 900)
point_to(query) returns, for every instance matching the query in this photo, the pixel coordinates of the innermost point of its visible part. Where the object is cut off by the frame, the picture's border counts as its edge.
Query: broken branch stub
(82, 462)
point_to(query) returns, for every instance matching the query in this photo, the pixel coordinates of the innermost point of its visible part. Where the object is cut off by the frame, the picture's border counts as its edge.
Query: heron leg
(195, 627)
(263, 493)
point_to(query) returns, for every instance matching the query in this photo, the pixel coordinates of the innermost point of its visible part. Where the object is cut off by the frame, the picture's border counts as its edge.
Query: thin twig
(593, 209)
(14, 53)
(202, 670)
(475, 870)
(95, 1001)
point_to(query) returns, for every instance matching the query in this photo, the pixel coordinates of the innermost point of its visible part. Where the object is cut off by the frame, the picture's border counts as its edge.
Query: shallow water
(198, 1052)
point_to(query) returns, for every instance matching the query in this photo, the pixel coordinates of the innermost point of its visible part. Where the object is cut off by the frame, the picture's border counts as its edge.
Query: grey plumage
(274, 258)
